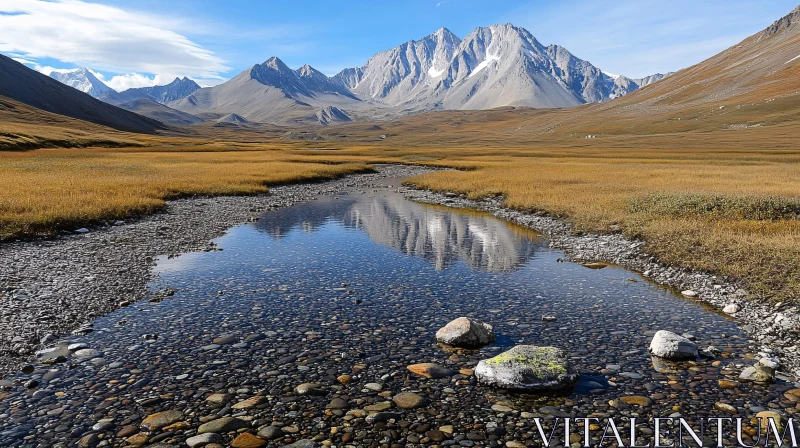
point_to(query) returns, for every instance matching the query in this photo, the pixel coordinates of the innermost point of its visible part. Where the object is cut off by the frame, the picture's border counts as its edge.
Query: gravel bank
(53, 286)
(774, 326)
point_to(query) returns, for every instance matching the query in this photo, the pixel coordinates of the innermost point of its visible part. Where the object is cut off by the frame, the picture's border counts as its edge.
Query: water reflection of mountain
(438, 235)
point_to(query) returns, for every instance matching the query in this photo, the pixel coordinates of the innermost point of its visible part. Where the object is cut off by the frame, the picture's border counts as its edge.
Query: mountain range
(495, 66)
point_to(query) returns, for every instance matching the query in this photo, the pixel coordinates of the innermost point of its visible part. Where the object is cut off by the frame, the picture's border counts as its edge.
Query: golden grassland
(47, 190)
(731, 211)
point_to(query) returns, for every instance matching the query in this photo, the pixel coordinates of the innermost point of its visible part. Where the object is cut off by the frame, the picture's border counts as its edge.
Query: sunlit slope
(25, 127)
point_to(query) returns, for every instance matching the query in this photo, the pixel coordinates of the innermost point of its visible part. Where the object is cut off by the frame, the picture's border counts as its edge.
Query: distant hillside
(157, 111)
(28, 86)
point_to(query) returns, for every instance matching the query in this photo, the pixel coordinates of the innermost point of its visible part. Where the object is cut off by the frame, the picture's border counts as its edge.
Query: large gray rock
(466, 333)
(529, 368)
(669, 345)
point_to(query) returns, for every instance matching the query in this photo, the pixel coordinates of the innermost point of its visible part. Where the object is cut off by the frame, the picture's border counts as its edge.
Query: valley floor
(712, 204)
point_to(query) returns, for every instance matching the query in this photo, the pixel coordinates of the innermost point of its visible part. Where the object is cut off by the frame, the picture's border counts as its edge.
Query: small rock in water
(527, 367)
(430, 370)
(501, 408)
(548, 318)
(224, 424)
(726, 408)
(204, 439)
(309, 389)
(247, 440)
(161, 419)
(671, 346)
(466, 332)
(270, 432)
(410, 400)
(762, 372)
(82, 230)
(689, 293)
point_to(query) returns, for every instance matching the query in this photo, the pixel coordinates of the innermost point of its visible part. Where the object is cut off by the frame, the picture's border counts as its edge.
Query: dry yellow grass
(596, 191)
(47, 190)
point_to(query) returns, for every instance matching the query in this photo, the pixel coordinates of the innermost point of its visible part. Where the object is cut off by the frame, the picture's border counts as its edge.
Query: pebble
(410, 400)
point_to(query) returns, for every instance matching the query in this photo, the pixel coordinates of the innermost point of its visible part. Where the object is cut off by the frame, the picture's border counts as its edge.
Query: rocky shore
(774, 326)
(51, 287)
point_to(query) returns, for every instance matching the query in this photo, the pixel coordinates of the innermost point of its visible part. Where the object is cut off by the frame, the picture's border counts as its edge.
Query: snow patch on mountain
(485, 63)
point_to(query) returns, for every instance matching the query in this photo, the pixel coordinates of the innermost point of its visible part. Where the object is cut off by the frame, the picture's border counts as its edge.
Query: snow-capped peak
(82, 79)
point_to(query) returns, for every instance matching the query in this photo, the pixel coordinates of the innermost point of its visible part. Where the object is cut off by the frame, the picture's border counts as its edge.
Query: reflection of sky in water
(438, 235)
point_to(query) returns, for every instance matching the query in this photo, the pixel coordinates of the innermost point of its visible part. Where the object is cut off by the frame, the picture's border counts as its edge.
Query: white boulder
(669, 345)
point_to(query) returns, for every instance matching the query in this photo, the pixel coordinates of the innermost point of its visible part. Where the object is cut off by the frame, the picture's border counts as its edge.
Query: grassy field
(47, 190)
(731, 211)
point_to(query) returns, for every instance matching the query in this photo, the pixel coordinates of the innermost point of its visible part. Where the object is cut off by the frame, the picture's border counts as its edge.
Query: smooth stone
(222, 425)
(430, 370)
(731, 308)
(528, 367)
(219, 398)
(637, 400)
(501, 408)
(689, 293)
(247, 440)
(249, 403)
(204, 439)
(725, 407)
(378, 407)
(161, 419)
(270, 432)
(374, 386)
(668, 345)
(410, 400)
(310, 389)
(466, 332)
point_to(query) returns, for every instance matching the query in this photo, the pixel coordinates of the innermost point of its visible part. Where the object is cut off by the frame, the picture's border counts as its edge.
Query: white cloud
(104, 38)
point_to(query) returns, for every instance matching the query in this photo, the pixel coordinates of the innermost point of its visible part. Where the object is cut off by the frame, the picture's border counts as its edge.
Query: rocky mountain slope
(500, 65)
(177, 89)
(270, 92)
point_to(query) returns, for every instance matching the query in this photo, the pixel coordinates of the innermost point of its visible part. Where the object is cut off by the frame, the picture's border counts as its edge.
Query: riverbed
(345, 288)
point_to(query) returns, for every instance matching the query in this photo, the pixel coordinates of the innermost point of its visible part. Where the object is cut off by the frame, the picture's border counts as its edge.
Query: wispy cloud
(105, 38)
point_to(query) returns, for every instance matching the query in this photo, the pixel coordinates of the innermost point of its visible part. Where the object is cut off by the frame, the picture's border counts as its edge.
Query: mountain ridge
(495, 66)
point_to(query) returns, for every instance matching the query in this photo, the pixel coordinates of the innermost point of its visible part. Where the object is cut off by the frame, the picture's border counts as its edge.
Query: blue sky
(135, 43)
